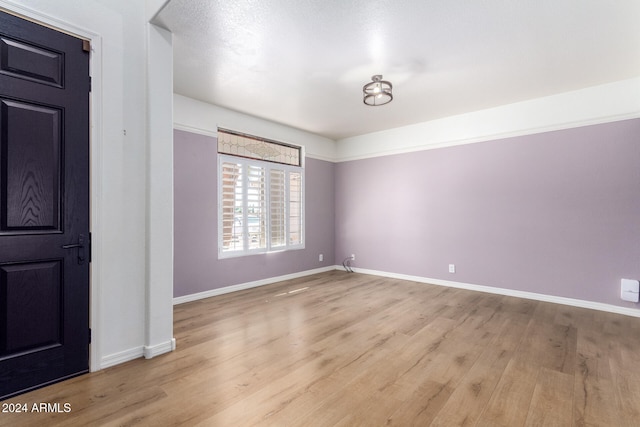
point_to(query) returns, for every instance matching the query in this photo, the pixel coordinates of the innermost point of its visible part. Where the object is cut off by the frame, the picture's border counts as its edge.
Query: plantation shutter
(277, 209)
(295, 208)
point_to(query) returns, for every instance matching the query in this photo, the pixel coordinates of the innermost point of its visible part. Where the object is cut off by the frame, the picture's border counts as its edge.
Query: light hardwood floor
(340, 349)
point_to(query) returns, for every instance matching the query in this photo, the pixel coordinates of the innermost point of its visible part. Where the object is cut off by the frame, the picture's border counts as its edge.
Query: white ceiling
(303, 62)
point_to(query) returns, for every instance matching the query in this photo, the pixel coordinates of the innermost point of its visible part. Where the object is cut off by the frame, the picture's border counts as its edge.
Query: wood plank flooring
(339, 349)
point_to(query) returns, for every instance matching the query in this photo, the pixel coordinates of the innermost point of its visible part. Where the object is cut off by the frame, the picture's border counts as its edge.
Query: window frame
(268, 167)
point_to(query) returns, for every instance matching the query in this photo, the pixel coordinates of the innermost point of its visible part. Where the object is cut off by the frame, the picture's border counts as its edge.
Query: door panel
(27, 61)
(44, 206)
(30, 295)
(30, 169)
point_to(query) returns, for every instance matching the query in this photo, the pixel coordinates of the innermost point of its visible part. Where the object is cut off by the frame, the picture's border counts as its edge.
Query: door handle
(80, 246)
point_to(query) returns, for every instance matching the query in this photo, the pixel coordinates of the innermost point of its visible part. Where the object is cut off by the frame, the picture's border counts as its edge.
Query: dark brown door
(44, 206)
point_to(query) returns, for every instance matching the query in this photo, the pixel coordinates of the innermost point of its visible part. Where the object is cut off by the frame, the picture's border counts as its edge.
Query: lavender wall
(196, 264)
(556, 213)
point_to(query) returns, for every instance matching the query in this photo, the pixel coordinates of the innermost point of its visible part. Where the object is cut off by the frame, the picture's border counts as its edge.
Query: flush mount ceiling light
(378, 92)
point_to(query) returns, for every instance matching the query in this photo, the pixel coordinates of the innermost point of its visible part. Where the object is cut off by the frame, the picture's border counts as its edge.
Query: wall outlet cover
(630, 290)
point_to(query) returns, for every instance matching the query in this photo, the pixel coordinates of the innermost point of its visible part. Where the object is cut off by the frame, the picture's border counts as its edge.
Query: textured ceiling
(303, 62)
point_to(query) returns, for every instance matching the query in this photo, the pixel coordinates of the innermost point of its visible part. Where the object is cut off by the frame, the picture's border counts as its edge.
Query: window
(261, 205)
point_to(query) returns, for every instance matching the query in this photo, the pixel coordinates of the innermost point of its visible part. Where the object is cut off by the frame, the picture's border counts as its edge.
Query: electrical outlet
(321, 257)
(452, 268)
(629, 290)
(353, 257)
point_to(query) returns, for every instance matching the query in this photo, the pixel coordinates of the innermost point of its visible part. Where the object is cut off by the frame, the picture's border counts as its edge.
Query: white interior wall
(159, 285)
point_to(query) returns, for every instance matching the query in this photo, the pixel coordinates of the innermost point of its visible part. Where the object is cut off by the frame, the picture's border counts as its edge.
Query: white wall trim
(319, 157)
(492, 137)
(147, 352)
(121, 357)
(151, 351)
(196, 130)
(633, 312)
(249, 285)
(96, 169)
(593, 105)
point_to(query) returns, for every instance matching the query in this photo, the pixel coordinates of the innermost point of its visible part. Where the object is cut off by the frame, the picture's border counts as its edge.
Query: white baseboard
(249, 285)
(121, 357)
(150, 351)
(439, 282)
(508, 292)
(137, 352)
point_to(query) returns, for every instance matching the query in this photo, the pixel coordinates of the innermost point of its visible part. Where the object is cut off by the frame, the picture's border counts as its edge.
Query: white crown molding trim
(196, 130)
(320, 157)
(121, 357)
(492, 137)
(593, 105)
(249, 285)
(507, 292)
